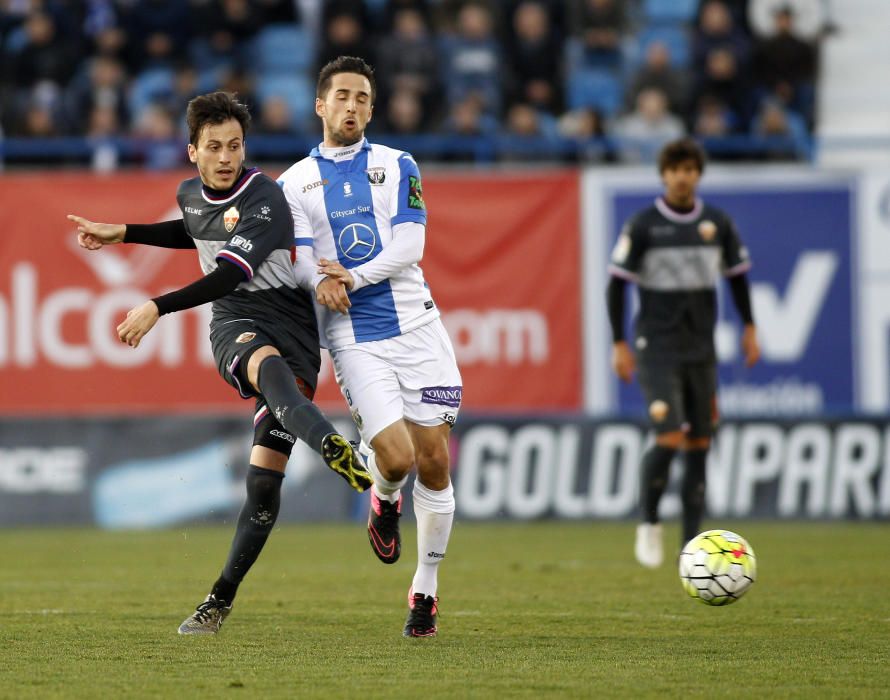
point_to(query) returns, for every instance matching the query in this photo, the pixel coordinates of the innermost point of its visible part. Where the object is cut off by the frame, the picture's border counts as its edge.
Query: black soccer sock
(692, 492)
(254, 525)
(655, 468)
(299, 416)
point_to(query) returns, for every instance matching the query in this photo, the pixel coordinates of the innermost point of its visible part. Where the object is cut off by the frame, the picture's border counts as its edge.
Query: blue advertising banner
(800, 238)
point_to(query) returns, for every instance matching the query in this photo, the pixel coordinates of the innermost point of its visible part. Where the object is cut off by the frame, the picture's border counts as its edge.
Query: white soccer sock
(385, 490)
(434, 511)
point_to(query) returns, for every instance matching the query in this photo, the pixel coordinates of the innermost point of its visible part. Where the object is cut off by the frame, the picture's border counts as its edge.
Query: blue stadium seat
(296, 90)
(283, 48)
(670, 11)
(594, 88)
(150, 85)
(674, 37)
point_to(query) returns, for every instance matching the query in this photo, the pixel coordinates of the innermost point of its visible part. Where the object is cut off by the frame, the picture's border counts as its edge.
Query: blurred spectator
(712, 118)
(598, 27)
(642, 132)
(277, 11)
(275, 118)
(161, 149)
(344, 35)
(716, 30)
(102, 85)
(785, 131)
(468, 118)
(786, 65)
(404, 113)
(103, 130)
(812, 17)
(44, 54)
(159, 33)
(535, 56)
(408, 60)
(658, 72)
(232, 24)
(40, 116)
(472, 59)
(586, 127)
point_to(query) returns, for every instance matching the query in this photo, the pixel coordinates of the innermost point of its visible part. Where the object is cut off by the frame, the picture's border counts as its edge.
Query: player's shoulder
(643, 218)
(390, 156)
(189, 187)
(298, 172)
(261, 187)
(715, 214)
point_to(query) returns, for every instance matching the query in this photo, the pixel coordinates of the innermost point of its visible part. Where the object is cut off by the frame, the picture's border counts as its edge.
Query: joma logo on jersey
(242, 243)
(313, 185)
(230, 218)
(442, 395)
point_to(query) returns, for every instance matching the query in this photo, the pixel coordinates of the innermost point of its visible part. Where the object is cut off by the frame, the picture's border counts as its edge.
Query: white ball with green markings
(717, 567)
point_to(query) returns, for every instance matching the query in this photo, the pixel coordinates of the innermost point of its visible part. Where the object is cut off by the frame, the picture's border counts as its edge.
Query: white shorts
(412, 376)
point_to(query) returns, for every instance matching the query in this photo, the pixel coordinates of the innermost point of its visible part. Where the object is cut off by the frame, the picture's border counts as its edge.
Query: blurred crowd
(618, 77)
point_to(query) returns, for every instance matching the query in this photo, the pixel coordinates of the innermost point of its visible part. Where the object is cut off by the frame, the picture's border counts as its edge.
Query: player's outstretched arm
(92, 235)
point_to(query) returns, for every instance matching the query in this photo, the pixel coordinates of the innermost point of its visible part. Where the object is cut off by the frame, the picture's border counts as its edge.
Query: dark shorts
(680, 396)
(233, 344)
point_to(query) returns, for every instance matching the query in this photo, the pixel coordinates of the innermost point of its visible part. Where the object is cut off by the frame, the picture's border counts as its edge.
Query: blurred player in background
(358, 209)
(263, 331)
(674, 251)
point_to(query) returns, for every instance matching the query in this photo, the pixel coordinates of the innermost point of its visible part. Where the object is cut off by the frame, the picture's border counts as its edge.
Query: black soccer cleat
(422, 613)
(341, 458)
(207, 618)
(383, 528)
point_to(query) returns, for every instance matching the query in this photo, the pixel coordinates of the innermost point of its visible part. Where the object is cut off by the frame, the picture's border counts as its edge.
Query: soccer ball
(717, 567)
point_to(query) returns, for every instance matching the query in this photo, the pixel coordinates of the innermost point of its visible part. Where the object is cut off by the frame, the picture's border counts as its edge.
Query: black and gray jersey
(249, 226)
(676, 260)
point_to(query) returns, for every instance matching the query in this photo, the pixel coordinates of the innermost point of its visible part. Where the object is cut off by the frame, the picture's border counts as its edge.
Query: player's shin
(653, 480)
(434, 511)
(299, 416)
(692, 492)
(254, 526)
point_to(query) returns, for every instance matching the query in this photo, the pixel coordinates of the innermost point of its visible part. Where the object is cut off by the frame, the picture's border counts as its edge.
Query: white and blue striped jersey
(346, 210)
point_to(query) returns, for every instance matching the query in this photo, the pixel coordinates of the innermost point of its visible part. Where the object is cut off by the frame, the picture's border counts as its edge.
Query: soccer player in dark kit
(675, 251)
(263, 332)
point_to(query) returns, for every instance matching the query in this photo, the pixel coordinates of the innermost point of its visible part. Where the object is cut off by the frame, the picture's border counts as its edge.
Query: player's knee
(256, 359)
(394, 459)
(672, 440)
(696, 443)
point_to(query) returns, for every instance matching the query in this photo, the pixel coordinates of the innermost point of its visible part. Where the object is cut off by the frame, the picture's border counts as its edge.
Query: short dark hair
(344, 64)
(214, 108)
(679, 151)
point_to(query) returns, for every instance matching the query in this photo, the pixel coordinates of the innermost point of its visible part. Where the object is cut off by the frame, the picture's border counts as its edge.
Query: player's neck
(340, 151)
(681, 206)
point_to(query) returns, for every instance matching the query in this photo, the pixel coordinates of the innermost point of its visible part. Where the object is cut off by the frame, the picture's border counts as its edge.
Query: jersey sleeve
(302, 229)
(257, 230)
(735, 255)
(627, 255)
(409, 204)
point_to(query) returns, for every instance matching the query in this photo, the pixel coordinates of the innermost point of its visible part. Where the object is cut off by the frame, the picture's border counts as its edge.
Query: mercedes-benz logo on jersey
(357, 241)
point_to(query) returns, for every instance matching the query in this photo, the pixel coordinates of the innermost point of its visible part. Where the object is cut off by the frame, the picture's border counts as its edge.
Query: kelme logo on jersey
(442, 395)
(376, 176)
(230, 218)
(707, 230)
(415, 193)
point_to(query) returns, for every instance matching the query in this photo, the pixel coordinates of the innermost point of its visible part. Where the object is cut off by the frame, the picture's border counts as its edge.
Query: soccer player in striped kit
(358, 210)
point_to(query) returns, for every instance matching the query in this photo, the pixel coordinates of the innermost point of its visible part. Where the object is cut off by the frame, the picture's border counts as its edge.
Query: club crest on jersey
(245, 337)
(347, 189)
(707, 230)
(376, 176)
(230, 218)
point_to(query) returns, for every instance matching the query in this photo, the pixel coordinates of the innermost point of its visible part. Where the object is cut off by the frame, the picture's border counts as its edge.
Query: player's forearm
(741, 297)
(615, 305)
(222, 281)
(406, 248)
(305, 269)
(164, 234)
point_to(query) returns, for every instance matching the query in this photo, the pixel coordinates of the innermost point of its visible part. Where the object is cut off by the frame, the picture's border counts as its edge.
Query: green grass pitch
(527, 610)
